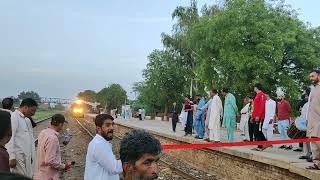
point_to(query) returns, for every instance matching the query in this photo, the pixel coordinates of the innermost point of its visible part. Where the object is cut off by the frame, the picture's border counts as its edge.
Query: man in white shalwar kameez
(215, 115)
(21, 147)
(270, 112)
(245, 116)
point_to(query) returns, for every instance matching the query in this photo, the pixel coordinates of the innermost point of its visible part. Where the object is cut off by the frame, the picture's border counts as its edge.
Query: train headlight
(78, 110)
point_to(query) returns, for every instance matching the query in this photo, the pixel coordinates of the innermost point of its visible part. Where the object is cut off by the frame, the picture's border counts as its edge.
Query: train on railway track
(80, 107)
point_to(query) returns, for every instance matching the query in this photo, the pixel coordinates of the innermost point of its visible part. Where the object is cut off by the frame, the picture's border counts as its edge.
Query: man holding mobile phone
(49, 163)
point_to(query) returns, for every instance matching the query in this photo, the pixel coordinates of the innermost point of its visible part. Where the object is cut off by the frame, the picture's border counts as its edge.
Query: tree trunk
(191, 88)
(165, 112)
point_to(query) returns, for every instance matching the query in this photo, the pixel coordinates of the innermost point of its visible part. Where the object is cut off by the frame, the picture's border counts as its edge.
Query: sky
(59, 48)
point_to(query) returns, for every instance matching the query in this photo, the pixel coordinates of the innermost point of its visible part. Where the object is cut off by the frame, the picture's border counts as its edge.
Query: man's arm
(203, 108)
(51, 148)
(11, 143)
(234, 104)
(107, 160)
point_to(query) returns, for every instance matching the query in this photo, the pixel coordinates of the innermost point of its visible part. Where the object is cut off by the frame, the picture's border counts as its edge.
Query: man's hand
(13, 163)
(257, 119)
(68, 164)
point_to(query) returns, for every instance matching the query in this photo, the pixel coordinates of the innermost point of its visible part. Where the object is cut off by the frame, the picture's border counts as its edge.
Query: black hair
(136, 143)
(267, 91)
(258, 86)
(315, 70)
(5, 123)
(7, 103)
(225, 90)
(11, 176)
(199, 95)
(29, 102)
(100, 118)
(214, 91)
(57, 119)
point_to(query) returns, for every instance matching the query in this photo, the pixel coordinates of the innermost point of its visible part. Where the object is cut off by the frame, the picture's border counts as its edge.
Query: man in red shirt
(283, 117)
(258, 113)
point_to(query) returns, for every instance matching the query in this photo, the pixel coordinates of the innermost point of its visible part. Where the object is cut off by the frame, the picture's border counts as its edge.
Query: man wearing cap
(49, 162)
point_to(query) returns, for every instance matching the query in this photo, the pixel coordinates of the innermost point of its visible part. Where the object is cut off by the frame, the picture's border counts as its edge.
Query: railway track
(172, 167)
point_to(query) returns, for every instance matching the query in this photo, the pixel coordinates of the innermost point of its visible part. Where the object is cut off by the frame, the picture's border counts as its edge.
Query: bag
(295, 133)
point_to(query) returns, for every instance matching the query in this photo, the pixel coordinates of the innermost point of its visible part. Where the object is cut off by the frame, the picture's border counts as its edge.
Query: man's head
(57, 121)
(224, 91)
(104, 126)
(306, 97)
(187, 98)
(248, 100)
(7, 103)
(139, 154)
(315, 77)
(213, 92)
(198, 97)
(280, 97)
(28, 107)
(5, 127)
(257, 87)
(174, 103)
(267, 92)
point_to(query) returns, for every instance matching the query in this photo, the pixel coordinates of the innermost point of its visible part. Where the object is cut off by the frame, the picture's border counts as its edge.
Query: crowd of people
(19, 160)
(139, 150)
(258, 118)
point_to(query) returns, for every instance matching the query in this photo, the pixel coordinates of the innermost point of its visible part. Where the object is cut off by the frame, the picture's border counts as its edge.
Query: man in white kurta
(101, 163)
(21, 147)
(215, 115)
(268, 123)
(244, 122)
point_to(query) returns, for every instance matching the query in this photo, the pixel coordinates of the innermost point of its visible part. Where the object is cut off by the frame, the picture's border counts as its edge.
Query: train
(80, 107)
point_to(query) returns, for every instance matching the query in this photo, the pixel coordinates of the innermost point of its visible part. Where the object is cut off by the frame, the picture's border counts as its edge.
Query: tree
(112, 96)
(88, 95)
(235, 45)
(254, 41)
(29, 94)
(165, 82)
(179, 44)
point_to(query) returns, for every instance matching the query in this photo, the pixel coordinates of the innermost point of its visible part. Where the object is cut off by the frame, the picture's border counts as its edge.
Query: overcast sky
(58, 48)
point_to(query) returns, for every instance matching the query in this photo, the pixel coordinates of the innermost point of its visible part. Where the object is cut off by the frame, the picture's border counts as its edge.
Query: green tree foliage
(29, 94)
(164, 82)
(88, 95)
(113, 96)
(252, 41)
(235, 45)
